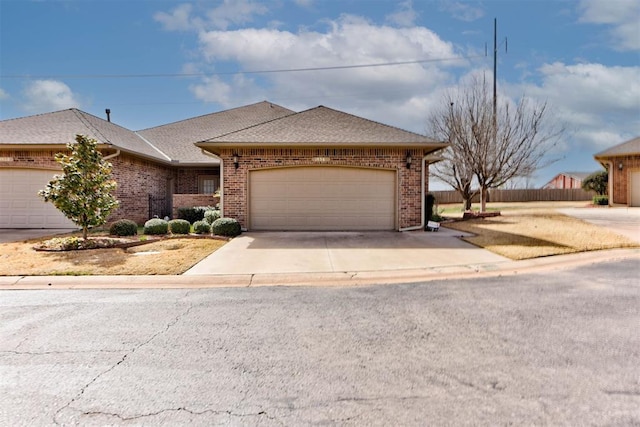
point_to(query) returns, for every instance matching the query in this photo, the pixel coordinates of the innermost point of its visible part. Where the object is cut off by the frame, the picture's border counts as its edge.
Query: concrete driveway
(623, 220)
(20, 234)
(325, 252)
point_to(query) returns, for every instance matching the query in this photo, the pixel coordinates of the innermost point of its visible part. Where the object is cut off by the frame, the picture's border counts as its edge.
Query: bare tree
(513, 142)
(455, 169)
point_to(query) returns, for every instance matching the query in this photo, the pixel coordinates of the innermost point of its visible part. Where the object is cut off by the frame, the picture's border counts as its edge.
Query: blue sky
(155, 62)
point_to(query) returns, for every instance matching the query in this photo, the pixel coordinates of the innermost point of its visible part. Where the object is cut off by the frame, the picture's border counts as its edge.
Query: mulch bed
(73, 243)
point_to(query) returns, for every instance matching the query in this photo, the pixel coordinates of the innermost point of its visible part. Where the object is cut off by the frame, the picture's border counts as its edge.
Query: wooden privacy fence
(525, 195)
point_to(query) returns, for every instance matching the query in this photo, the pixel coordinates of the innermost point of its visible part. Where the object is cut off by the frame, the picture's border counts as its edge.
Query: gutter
(111, 156)
(207, 153)
(430, 159)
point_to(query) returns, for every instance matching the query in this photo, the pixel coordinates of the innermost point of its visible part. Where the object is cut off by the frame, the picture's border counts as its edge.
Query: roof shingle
(321, 125)
(629, 147)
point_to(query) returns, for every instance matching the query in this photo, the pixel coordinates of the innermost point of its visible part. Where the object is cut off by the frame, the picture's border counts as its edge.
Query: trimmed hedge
(600, 200)
(211, 215)
(194, 213)
(226, 227)
(123, 227)
(201, 227)
(179, 226)
(156, 226)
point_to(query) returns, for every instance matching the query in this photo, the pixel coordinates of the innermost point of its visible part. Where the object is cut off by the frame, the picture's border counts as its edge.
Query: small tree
(597, 181)
(83, 192)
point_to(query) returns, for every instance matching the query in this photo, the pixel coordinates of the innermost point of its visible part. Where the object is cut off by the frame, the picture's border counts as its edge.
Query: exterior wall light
(620, 166)
(408, 160)
(235, 160)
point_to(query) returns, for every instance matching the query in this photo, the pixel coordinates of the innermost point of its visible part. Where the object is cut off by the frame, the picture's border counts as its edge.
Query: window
(207, 184)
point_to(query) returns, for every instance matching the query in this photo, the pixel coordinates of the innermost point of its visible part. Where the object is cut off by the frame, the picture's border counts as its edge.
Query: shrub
(598, 182)
(211, 215)
(600, 200)
(431, 201)
(123, 227)
(226, 227)
(201, 227)
(179, 226)
(193, 214)
(156, 226)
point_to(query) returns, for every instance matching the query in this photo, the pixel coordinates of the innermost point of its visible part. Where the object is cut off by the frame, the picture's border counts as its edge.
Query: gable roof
(626, 148)
(61, 127)
(321, 126)
(177, 139)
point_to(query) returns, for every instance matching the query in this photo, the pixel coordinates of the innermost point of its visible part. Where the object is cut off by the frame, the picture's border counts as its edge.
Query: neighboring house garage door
(634, 188)
(322, 198)
(20, 205)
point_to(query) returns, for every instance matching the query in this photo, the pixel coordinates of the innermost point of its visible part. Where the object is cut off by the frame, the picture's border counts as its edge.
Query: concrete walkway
(322, 252)
(621, 220)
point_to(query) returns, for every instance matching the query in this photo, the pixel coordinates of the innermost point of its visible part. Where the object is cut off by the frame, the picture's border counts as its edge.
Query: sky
(153, 62)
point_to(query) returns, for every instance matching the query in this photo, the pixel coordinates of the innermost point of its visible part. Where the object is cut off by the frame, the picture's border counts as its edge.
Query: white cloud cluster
(229, 12)
(48, 95)
(463, 11)
(622, 15)
(349, 40)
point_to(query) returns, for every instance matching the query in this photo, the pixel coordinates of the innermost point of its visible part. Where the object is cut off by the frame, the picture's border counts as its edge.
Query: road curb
(328, 279)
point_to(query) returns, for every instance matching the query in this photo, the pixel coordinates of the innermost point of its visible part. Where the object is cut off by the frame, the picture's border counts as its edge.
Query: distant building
(566, 180)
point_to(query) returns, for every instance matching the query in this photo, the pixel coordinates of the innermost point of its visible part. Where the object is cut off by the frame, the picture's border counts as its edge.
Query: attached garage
(20, 205)
(322, 198)
(634, 188)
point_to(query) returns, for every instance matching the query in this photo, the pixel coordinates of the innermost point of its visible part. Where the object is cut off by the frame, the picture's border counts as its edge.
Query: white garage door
(634, 188)
(322, 198)
(20, 205)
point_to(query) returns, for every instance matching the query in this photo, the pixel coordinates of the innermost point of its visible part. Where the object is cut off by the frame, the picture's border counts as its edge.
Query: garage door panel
(322, 198)
(21, 207)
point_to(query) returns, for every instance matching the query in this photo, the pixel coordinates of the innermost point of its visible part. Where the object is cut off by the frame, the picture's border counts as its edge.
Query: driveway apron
(322, 252)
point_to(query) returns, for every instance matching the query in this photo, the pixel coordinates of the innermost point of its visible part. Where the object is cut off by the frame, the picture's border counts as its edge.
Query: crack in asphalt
(124, 357)
(180, 409)
(45, 353)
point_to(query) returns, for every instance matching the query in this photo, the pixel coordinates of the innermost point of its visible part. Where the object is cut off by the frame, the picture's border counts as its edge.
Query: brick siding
(621, 178)
(408, 183)
(191, 200)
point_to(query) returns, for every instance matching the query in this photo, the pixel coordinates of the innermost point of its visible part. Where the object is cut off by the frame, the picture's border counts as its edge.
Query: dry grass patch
(170, 256)
(532, 234)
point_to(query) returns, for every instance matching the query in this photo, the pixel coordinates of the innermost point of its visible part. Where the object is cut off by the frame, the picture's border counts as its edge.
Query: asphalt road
(540, 349)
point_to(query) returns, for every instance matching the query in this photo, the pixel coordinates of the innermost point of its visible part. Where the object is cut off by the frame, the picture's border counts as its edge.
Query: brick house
(567, 180)
(347, 172)
(622, 161)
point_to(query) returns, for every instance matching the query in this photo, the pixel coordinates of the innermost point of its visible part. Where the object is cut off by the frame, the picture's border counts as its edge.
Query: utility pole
(495, 69)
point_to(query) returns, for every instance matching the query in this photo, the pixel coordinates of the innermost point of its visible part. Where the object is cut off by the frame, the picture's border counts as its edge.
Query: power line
(223, 73)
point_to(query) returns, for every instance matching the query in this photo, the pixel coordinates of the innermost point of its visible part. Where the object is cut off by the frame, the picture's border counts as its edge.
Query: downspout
(111, 156)
(206, 153)
(422, 200)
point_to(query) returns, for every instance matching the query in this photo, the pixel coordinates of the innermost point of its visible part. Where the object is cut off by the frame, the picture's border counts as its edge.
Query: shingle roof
(176, 139)
(321, 126)
(61, 127)
(629, 147)
(577, 175)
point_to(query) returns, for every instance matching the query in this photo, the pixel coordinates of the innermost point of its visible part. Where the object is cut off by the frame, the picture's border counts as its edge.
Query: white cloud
(178, 20)
(405, 17)
(622, 15)
(3, 94)
(375, 92)
(48, 95)
(228, 13)
(462, 11)
(600, 104)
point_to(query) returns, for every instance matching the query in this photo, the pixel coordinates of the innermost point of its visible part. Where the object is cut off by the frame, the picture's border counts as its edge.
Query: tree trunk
(467, 203)
(483, 199)
(84, 232)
